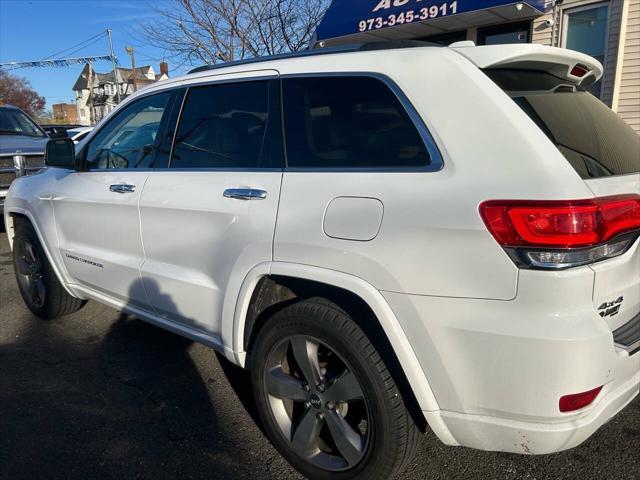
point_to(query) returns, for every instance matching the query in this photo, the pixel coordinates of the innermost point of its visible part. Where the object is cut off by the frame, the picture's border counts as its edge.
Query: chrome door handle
(122, 188)
(245, 193)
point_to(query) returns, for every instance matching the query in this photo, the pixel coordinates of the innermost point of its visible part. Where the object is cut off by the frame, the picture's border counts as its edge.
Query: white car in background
(388, 238)
(78, 134)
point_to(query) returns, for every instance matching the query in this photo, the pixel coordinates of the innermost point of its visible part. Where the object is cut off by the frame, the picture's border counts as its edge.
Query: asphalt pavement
(99, 395)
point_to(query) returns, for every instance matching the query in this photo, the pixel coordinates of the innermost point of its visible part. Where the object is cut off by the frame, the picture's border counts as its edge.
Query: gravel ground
(100, 395)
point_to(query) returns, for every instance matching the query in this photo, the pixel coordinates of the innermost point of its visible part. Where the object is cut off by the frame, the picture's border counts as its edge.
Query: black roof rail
(354, 47)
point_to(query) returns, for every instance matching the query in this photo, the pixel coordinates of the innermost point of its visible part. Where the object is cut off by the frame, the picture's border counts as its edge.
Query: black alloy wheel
(38, 283)
(30, 273)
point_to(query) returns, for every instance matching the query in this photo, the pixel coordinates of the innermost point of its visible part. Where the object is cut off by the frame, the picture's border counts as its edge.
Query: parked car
(78, 134)
(22, 144)
(55, 130)
(390, 239)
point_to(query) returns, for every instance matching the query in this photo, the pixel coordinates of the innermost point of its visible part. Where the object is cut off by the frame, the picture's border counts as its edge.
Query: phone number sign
(346, 17)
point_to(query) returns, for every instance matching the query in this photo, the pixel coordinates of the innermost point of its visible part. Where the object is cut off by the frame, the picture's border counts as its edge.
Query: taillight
(562, 234)
(576, 401)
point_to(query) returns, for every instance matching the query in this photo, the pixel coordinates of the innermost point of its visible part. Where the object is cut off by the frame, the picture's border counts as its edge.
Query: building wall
(82, 108)
(627, 94)
(542, 33)
(612, 57)
(64, 113)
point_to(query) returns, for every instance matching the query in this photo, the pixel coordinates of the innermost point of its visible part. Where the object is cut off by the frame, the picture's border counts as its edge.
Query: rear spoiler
(570, 65)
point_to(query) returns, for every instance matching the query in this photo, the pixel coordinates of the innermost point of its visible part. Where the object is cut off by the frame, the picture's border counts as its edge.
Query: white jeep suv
(391, 239)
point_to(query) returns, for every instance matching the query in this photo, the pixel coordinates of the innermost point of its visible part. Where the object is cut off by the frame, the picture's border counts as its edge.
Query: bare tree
(210, 31)
(17, 91)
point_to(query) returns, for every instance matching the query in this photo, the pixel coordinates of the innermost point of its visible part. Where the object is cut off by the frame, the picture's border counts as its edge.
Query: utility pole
(113, 63)
(90, 85)
(130, 51)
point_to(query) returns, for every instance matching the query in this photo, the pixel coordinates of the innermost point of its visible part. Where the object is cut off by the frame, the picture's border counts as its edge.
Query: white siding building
(94, 103)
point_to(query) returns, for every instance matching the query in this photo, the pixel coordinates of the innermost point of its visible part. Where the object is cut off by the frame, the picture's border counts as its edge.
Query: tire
(38, 284)
(308, 423)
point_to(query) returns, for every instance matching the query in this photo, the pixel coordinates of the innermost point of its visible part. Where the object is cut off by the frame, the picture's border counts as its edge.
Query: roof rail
(356, 47)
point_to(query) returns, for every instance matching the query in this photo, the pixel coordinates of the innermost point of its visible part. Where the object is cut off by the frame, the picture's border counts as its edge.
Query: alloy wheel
(318, 403)
(30, 273)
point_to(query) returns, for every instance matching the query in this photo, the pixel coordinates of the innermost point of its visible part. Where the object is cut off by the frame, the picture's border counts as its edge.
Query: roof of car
(359, 47)
(364, 57)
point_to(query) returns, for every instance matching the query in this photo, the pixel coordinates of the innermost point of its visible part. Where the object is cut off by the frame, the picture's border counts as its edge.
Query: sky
(35, 29)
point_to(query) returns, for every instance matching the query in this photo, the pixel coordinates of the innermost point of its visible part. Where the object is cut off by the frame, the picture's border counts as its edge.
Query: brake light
(561, 234)
(579, 71)
(576, 401)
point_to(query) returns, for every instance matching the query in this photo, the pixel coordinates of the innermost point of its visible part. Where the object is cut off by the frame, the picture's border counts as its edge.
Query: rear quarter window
(593, 139)
(348, 122)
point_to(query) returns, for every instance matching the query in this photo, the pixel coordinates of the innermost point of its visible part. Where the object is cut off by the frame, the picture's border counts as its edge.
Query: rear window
(348, 122)
(593, 139)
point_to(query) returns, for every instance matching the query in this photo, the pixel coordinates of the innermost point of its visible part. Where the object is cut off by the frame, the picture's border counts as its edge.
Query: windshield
(594, 140)
(14, 122)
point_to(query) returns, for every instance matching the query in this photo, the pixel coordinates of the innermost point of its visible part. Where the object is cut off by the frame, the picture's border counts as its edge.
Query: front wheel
(39, 286)
(326, 399)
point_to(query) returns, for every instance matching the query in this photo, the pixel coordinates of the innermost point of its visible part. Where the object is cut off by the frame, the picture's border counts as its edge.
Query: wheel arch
(17, 215)
(267, 289)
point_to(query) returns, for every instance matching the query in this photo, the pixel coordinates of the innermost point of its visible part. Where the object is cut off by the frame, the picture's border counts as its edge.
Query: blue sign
(346, 17)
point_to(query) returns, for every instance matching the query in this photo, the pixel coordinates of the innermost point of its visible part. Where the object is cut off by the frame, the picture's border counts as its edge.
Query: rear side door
(96, 209)
(363, 192)
(209, 217)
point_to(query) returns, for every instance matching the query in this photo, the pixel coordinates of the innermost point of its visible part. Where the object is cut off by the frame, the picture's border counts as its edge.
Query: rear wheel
(326, 398)
(39, 286)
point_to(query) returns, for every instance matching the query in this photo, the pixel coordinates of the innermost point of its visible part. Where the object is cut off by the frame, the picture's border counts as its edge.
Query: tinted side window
(223, 126)
(348, 122)
(128, 140)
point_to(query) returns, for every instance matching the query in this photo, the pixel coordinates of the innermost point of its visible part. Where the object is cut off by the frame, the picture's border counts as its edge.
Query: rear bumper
(498, 368)
(627, 336)
(509, 435)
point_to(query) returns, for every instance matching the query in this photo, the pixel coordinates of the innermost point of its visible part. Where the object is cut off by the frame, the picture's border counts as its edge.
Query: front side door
(210, 216)
(96, 208)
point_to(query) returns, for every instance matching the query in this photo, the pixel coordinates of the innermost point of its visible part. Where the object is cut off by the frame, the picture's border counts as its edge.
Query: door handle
(245, 193)
(122, 188)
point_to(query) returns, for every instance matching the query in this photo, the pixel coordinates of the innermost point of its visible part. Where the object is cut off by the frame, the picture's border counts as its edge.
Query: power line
(101, 34)
(83, 47)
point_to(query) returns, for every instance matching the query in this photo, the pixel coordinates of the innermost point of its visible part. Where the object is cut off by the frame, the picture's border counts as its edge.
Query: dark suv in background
(22, 144)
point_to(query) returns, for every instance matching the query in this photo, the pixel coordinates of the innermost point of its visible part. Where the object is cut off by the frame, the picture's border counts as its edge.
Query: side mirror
(60, 152)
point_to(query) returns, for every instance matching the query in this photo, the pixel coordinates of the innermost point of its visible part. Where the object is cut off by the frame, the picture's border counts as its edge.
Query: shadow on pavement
(240, 381)
(77, 401)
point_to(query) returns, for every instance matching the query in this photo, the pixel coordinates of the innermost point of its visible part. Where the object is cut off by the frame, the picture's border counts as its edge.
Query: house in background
(64, 113)
(93, 104)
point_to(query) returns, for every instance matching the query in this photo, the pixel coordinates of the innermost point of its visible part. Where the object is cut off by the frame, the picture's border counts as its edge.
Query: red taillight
(561, 224)
(576, 401)
(579, 71)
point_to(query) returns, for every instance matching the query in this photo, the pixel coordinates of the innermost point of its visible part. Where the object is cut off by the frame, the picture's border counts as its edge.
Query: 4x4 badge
(609, 309)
